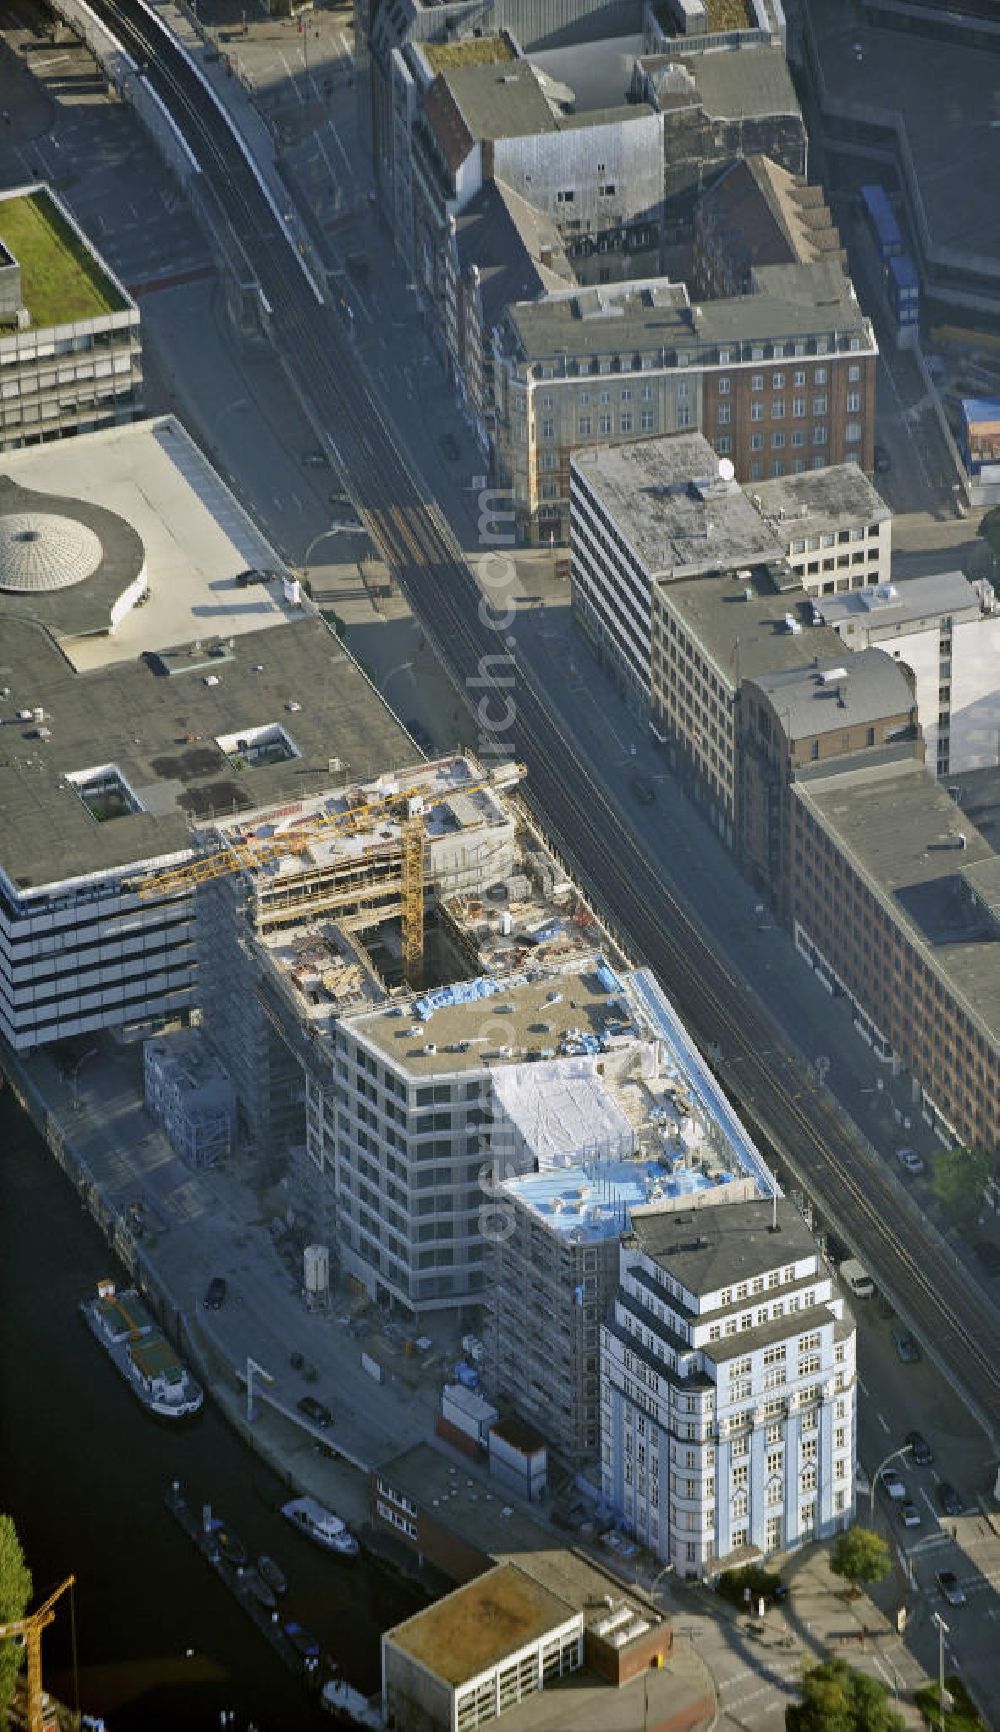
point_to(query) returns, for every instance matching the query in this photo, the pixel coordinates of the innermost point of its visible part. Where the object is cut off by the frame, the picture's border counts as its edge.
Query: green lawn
(60, 281)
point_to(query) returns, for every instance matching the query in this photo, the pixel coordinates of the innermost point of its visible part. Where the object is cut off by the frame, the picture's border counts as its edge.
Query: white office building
(727, 1387)
(947, 630)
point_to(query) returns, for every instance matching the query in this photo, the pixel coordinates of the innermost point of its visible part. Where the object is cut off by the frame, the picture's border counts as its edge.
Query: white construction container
(468, 1411)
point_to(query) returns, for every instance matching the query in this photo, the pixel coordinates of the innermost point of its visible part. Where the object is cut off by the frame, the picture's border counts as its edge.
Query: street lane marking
(882, 1423)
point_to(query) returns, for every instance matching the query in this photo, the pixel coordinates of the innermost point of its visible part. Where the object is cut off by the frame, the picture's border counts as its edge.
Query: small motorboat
(262, 1593)
(229, 1544)
(327, 1529)
(272, 1574)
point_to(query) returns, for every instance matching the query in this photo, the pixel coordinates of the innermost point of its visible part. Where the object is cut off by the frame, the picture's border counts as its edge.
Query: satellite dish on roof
(727, 471)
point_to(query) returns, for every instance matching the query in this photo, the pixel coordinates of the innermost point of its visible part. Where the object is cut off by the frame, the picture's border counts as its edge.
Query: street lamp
(90, 1053)
(943, 1631)
(906, 1449)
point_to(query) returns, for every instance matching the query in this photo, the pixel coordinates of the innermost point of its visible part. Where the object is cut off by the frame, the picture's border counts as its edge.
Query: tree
(15, 1592)
(989, 529)
(959, 1179)
(836, 1698)
(858, 1555)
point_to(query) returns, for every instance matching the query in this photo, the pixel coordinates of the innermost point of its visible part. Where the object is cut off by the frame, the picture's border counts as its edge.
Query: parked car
(893, 1484)
(909, 1514)
(951, 1587)
(920, 1450)
(315, 1410)
(451, 447)
(883, 462)
(906, 1348)
(215, 1294)
(910, 1161)
(949, 1499)
(642, 790)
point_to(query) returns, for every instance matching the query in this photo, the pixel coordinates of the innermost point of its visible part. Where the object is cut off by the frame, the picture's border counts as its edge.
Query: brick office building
(894, 903)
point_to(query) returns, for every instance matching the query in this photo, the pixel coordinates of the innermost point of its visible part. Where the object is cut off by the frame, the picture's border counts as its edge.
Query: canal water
(161, 1642)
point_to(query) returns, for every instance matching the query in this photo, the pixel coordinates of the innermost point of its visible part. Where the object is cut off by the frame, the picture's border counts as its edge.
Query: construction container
(468, 1411)
(519, 1458)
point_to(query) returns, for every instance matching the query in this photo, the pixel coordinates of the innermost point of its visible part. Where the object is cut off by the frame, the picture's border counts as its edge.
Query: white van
(857, 1278)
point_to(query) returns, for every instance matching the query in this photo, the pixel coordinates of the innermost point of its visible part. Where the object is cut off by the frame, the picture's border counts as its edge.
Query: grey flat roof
(821, 499)
(440, 1486)
(710, 1248)
(160, 732)
(899, 827)
(749, 639)
(793, 301)
(503, 100)
(872, 685)
(645, 488)
(884, 609)
(734, 82)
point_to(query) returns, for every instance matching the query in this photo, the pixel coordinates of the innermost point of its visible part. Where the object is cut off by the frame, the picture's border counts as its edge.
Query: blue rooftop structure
(700, 1082)
(594, 1200)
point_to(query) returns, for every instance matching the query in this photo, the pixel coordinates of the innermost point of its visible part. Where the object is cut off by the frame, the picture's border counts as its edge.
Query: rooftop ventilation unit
(830, 676)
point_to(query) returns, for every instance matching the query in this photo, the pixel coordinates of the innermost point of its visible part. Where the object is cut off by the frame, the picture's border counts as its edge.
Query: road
(611, 862)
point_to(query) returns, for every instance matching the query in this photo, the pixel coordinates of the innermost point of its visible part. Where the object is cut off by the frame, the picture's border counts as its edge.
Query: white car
(893, 1484)
(910, 1161)
(909, 1515)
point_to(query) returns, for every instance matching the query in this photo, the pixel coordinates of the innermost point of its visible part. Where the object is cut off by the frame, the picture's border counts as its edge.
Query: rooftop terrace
(61, 279)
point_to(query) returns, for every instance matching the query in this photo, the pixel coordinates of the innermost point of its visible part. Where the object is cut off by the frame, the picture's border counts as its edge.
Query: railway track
(943, 1304)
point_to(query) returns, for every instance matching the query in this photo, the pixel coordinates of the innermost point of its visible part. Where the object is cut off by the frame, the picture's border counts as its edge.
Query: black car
(642, 790)
(883, 462)
(450, 447)
(315, 1410)
(951, 1587)
(920, 1450)
(215, 1294)
(949, 1499)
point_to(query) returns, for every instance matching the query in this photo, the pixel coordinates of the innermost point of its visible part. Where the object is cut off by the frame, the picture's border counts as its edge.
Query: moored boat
(255, 1585)
(327, 1529)
(230, 1545)
(141, 1353)
(347, 1705)
(272, 1574)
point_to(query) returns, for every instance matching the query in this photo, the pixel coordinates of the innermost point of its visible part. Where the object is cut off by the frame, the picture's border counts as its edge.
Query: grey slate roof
(711, 1248)
(873, 685)
(505, 236)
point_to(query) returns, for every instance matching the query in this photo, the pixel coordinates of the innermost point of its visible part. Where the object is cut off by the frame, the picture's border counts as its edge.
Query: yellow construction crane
(408, 805)
(31, 1627)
